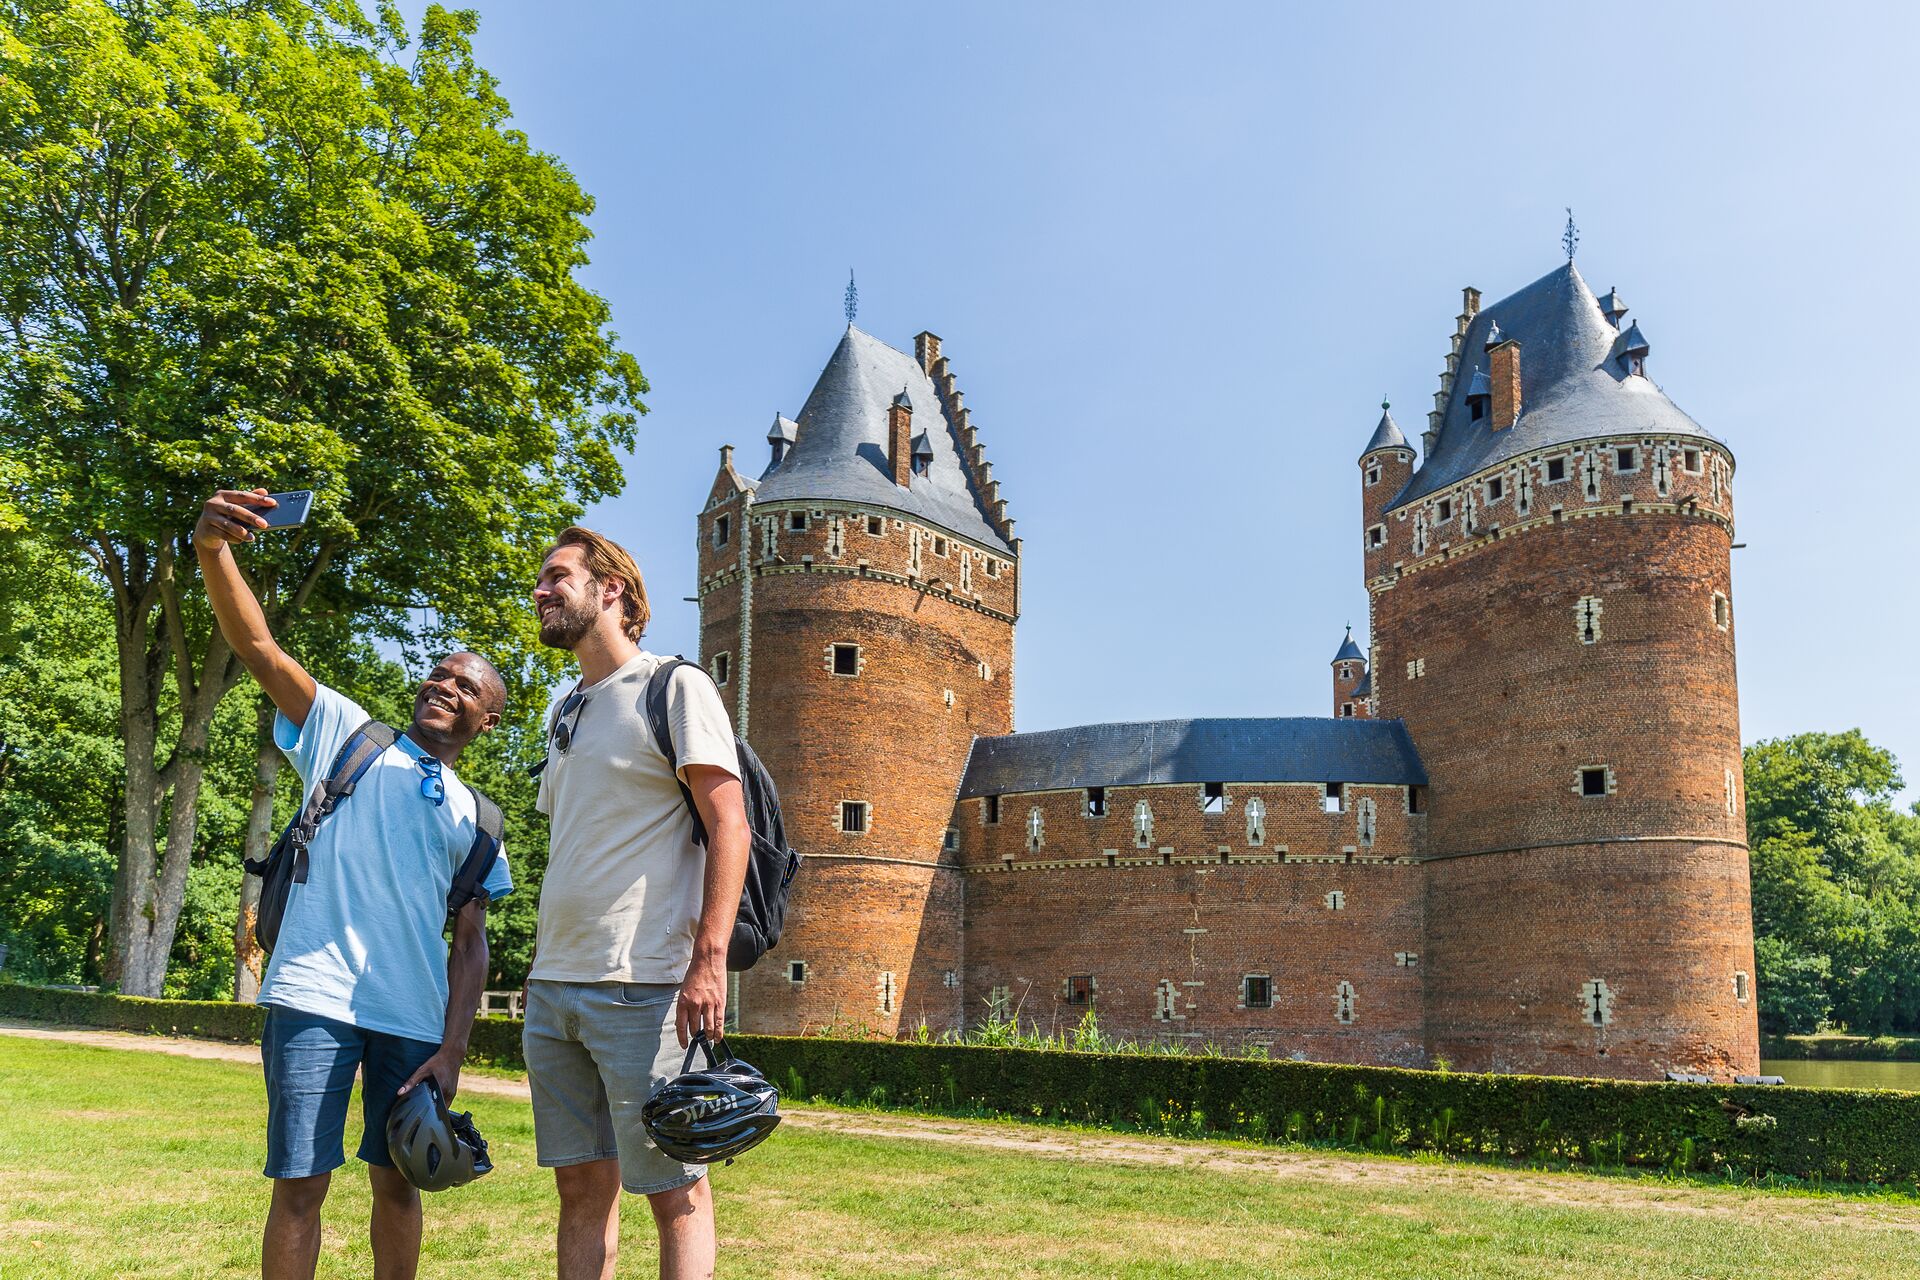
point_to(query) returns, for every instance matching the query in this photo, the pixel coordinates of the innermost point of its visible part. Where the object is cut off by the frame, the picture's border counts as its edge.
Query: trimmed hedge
(1844, 1134)
(1827, 1048)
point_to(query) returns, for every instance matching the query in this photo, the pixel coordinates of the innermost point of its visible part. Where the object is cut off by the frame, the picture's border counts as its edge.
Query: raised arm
(722, 808)
(231, 516)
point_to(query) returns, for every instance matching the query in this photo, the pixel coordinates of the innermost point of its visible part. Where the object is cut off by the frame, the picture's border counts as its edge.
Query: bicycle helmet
(432, 1147)
(714, 1113)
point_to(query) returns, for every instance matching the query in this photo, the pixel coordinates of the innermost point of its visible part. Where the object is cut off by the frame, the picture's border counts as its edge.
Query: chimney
(926, 349)
(899, 436)
(1506, 384)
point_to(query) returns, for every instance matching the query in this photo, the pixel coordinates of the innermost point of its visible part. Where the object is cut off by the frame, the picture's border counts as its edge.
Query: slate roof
(1171, 751)
(1349, 651)
(841, 450)
(1570, 387)
(1385, 436)
(1365, 688)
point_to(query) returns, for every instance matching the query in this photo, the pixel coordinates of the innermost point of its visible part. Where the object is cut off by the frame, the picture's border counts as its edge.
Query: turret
(1386, 464)
(1349, 669)
(872, 605)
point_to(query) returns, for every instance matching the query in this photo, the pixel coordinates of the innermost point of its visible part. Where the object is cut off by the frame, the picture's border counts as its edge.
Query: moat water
(1845, 1075)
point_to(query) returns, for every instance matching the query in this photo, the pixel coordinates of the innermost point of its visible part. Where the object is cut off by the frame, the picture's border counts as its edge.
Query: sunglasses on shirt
(568, 721)
(432, 787)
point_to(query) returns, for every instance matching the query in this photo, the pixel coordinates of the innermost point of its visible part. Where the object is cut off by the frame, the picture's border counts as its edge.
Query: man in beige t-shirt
(630, 956)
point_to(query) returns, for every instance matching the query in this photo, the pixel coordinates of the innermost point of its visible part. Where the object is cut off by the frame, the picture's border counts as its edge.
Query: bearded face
(568, 614)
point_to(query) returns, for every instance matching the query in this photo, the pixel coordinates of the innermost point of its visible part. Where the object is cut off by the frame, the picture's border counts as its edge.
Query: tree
(248, 243)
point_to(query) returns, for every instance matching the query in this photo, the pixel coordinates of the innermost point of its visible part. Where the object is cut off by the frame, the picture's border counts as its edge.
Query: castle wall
(1169, 929)
(1593, 934)
(875, 916)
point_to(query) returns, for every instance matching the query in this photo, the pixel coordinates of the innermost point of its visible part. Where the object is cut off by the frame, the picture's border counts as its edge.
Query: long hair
(608, 560)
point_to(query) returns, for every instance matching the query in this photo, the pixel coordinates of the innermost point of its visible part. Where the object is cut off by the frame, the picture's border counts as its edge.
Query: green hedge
(1843, 1048)
(1842, 1134)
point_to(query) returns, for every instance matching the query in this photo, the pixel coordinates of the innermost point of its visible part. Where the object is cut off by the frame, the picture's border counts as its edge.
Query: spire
(1349, 651)
(1613, 306)
(1385, 436)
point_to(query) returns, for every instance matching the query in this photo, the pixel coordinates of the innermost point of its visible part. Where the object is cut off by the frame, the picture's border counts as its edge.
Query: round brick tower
(1551, 618)
(859, 601)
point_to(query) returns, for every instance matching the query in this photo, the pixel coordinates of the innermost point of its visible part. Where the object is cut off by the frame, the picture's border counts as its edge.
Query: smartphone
(292, 511)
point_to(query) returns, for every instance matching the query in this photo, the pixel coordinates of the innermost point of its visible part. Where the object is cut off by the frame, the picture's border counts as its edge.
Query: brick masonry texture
(1499, 918)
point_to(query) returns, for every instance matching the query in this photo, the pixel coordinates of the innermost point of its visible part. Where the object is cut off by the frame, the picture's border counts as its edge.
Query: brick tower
(1550, 595)
(857, 602)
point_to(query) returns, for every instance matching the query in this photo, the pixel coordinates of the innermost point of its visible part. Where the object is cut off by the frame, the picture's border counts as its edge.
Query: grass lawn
(116, 1163)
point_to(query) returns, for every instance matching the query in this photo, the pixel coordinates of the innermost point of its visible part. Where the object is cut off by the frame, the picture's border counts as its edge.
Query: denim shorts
(310, 1063)
(594, 1051)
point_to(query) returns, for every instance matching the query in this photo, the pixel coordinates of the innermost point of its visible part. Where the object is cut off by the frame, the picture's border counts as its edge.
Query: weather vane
(1570, 238)
(853, 297)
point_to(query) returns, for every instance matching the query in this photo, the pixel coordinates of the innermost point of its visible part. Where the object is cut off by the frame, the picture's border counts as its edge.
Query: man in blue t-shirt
(360, 977)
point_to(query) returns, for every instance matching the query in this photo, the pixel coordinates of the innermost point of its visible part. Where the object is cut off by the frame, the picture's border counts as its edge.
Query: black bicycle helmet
(712, 1114)
(432, 1147)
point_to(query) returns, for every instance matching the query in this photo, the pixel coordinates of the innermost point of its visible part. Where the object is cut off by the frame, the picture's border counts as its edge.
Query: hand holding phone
(234, 515)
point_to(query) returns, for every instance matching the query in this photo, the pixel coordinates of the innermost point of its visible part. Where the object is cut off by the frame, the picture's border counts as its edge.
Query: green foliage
(284, 243)
(1836, 886)
(1761, 1132)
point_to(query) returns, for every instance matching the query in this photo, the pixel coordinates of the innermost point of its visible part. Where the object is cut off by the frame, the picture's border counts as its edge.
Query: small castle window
(1595, 781)
(887, 992)
(1733, 794)
(1213, 798)
(1335, 799)
(1496, 489)
(1742, 986)
(846, 659)
(951, 840)
(1080, 989)
(1256, 821)
(1346, 710)
(1142, 825)
(796, 972)
(1556, 470)
(1586, 619)
(1036, 829)
(1365, 812)
(1373, 476)
(993, 567)
(876, 527)
(939, 546)
(1626, 459)
(797, 521)
(853, 816)
(1346, 671)
(1596, 1002)
(990, 810)
(1446, 509)
(1722, 611)
(1096, 802)
(1478, 406)
(1165, 997)
(1256, 991)
(1336, 900)
(986, 672)
(1406, 959)
(722, 530)
(999, 1004)
(721, 663)
(1377, 536)
(1416, 799)
(1343, 1002)
(1690, 461)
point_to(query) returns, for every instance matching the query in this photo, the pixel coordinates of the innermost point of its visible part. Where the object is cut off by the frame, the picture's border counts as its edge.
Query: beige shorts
(594, 1051)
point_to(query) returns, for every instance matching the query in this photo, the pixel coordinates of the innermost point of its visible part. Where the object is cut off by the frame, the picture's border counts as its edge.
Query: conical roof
(1386, 435)
(1570, 387)
(1349, 651)
(841, 451)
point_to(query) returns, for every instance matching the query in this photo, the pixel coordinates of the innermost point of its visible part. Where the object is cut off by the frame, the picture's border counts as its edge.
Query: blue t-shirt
(361, 939)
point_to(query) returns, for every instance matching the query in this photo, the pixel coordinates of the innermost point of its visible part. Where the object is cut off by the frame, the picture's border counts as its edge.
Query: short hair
(608, 560)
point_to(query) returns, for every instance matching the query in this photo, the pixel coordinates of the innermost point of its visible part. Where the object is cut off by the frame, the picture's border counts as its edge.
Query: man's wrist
(709, 953)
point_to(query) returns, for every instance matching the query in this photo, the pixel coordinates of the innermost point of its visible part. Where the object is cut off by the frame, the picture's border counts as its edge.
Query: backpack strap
(357, 754)
(662, 727)
(488, 828)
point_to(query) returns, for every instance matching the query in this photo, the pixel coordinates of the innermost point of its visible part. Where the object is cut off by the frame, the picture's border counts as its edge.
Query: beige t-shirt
(623, 889)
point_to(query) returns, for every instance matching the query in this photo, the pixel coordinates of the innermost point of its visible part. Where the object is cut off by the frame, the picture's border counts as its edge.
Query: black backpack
(286, 863)
(771, 861)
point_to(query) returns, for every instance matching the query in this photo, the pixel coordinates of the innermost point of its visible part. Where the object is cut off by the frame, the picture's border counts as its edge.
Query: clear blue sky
(1178, 254)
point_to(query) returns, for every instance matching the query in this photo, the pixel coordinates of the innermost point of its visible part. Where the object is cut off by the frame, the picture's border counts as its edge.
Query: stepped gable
(1571, 386)
(840, 449)
(1291, 749)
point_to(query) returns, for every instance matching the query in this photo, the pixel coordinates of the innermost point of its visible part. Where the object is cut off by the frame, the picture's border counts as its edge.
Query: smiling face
(569, 599)
(461, 699)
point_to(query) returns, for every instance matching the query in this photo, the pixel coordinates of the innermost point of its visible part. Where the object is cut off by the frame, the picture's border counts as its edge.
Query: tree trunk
(248, 959)
(133, 877)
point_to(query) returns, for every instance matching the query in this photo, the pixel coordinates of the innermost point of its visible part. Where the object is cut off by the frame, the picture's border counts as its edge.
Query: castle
(1517, 844)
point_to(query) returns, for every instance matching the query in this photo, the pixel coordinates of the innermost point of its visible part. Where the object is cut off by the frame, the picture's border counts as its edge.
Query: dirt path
(1386, 1172)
